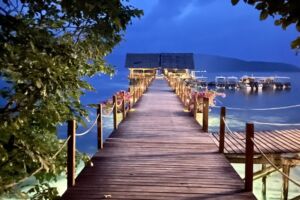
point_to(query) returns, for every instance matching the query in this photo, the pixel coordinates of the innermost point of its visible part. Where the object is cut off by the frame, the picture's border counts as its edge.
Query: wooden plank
(285, 144)
(268, 142)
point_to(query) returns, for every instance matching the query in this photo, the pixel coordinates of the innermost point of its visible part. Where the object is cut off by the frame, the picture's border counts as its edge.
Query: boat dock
(158, 152)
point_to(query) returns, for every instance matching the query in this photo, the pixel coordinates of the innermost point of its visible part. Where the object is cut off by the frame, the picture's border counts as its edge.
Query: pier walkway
(159, 152)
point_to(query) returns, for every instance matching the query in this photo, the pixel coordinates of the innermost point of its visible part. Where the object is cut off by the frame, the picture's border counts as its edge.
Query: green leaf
(38, 83)
(278, 22)
(298, 26)
(260, 6)
(263, 15)
(234, 2)
(296, 43)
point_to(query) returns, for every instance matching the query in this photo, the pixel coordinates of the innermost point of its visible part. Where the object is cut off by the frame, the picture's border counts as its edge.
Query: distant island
(213, 63)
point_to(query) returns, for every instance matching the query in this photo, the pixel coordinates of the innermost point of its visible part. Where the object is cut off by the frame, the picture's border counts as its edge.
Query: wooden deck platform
(159, 152)
(270, 142)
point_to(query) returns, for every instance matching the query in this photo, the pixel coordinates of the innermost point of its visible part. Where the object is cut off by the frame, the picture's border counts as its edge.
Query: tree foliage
(46, 48)
(285, 12)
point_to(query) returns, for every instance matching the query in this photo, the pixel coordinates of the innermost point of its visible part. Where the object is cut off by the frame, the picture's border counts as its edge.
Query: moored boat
(232, 82)
(281, 82)
(220, 82)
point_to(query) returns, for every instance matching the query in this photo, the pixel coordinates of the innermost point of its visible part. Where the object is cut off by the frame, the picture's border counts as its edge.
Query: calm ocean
(106, 86)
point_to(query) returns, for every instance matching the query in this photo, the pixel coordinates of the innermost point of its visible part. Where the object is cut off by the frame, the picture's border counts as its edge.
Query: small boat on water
(232, 82)
(220, 82)
(250, 83)
(281, 82)
(201, 82)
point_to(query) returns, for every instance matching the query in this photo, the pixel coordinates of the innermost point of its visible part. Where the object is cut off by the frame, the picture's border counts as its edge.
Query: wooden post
(205, 114)
(195, 106)
(115, 112)
(249, 157)
(133, 94)
(71, 153)
(99, 127)
(264, 183)
(123, 106)
(180, 90)
(222, 130)
(129, 101)
(285, 188)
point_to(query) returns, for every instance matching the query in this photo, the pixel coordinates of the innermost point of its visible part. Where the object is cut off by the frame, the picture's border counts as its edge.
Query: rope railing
(108, 114)
(250, 144)
(61, 148)
(276, 124)
(89, 129)
(267, 123)
(273, 165)
(261, 109)
(40, 168)
(231, 132)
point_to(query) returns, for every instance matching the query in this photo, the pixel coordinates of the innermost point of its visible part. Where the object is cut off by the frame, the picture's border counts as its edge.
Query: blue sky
(209, 27)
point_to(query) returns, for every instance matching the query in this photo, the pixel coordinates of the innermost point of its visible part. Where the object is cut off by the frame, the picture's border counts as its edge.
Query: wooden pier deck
(159, 152)
(270, 142)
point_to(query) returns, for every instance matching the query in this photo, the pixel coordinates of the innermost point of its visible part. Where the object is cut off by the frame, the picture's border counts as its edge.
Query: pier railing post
(129, 100)
(115, 112)
(123, 106)
(222, 130)
(249, 157)
(195, 106)
(99, 127)
(133, 95)
(71, 153)
(205, 114)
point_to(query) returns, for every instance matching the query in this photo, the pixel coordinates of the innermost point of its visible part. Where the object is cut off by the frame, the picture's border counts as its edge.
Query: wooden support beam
(264, 182)
(115, 112)
(222, 130)
(100, 127)
(249, 157)
(71, 153)
(285, 184)
(205, 111)
(265, 171)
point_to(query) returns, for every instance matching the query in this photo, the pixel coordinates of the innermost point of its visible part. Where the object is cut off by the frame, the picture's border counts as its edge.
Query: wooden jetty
(158, 152)
(270, 142)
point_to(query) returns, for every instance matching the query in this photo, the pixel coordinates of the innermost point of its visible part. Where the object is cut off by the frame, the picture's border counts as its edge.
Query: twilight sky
(209, 27)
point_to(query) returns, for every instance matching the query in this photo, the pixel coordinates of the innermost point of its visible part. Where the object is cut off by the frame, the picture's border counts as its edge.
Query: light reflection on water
(105, 87)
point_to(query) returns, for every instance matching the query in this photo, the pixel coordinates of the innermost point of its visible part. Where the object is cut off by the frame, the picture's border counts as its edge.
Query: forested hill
(212, 63)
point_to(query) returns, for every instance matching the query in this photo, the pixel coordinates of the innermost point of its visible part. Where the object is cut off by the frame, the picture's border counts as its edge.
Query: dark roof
(162, 60)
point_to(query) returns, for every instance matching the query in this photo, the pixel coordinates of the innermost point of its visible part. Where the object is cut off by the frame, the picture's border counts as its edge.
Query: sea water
(106, 86)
